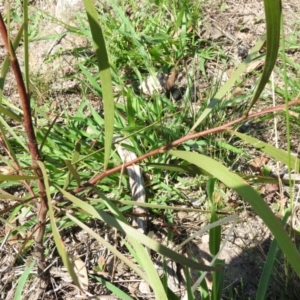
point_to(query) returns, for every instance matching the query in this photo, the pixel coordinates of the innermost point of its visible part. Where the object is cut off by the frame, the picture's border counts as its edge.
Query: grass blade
(139, 237)
(71, 174)
(230, 82)
(151, 205)
(108, 246)
(57, 239)
(232, 218)
(141, 256)
(115, 290)
(276, 153)
(273, 20)
(204, 291)
(22, 280)
(251, 196)
(268, 266)
(12, 132)
(16, 177)
(189, 292)
(105, 76)
(214, 233)
(218, 280)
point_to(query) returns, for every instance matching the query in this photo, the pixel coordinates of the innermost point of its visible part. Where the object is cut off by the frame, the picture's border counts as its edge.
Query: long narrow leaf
(139, 253)
(12, 132)
(141, 256)
(7, 143)
(108, 246)
(11, 197)
(232, 218)
(203, 274)
(113, 288)
(273, 20)
(233, 78)
(151, 205)
(138, 236)
(192, 169)
(16, 177)
(214, 233)
(105, 76)
(71, 174)
(268, 266)
(204, 291)
(251, 196)
(91, 79)
(218, 280)
(22, 280)
(57, 239)
(9, 113)
(276, 153)
(189, 291)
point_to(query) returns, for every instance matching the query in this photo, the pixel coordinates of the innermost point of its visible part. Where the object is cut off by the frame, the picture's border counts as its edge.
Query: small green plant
(70, 171)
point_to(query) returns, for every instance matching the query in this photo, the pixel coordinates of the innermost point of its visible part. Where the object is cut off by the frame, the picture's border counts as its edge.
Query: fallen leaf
(171, 79)
(182, 215)
(151, 85)
(254, 65)
(81, 272)
(258, 163)
(271, 191)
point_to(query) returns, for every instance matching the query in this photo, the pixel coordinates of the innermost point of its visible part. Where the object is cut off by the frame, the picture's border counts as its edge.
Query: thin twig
(181, 140)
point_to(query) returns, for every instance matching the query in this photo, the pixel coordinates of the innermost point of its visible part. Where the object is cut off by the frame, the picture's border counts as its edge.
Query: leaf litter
(237, 26)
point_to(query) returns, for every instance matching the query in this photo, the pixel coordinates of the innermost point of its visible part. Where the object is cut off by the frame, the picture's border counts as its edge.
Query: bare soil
(237, 26)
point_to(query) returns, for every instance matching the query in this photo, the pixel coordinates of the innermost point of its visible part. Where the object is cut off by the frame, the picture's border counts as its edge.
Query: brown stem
(34, 152)
(181, 140)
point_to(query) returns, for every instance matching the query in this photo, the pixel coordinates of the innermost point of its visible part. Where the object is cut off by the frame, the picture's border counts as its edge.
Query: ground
(235, 26)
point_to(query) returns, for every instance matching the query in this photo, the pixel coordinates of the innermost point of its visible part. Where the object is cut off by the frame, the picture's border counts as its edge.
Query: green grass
(127, 43)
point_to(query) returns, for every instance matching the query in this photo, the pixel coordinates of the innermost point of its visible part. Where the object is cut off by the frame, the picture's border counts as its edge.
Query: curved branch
(181, 140)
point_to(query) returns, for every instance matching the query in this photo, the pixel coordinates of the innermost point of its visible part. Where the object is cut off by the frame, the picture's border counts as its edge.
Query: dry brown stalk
(42, 206)
(181, 140)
